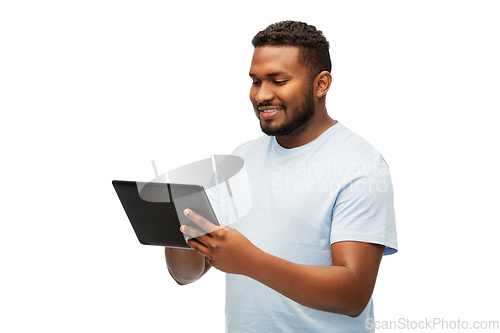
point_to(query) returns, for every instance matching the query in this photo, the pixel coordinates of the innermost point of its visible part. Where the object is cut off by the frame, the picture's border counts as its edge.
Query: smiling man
(282, 94)
(305, 257)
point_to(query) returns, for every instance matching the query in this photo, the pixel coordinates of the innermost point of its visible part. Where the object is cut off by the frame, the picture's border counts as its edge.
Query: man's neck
(307, 134)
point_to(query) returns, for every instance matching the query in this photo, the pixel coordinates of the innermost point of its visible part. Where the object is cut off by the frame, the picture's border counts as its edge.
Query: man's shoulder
(352, 146)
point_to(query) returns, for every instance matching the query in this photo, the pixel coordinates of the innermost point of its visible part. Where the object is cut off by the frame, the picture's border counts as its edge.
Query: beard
(300, 116)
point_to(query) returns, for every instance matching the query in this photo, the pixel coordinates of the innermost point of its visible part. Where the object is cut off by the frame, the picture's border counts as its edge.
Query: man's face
(282, 91)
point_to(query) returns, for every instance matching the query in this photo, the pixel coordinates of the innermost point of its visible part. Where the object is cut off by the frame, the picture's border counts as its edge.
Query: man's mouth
(268, 112)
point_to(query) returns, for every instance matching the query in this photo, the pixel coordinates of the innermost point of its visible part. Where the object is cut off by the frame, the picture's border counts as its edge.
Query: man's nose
(264, 93)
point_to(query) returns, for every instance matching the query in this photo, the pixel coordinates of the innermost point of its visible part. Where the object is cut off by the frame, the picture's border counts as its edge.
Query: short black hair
(313, 46)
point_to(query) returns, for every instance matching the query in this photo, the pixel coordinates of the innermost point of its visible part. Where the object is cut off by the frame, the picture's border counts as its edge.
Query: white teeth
(269, 111)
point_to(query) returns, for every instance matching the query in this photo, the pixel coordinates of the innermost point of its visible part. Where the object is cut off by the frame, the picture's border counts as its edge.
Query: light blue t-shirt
(335, 188)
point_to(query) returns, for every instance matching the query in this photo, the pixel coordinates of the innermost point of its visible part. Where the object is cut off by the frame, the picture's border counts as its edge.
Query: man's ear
(322, 82)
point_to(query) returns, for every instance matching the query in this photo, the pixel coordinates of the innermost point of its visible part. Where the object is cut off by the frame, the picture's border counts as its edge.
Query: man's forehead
(275, 60)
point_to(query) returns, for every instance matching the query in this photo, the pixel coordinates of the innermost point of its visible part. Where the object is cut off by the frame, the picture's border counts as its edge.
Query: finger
(200, 221)
(197, 246)
(191, 232)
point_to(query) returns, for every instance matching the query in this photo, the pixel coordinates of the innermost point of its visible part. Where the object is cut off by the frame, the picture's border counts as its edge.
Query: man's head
(290, 71)
(313, 46)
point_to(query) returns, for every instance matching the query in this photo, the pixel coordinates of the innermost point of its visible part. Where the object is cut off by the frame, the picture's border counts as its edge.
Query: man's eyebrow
(270, 74)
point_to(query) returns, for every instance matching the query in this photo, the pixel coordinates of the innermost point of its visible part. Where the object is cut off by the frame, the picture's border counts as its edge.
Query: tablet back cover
(156, 212)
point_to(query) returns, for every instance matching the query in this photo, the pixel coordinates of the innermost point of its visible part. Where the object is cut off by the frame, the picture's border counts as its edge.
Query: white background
(92, 91)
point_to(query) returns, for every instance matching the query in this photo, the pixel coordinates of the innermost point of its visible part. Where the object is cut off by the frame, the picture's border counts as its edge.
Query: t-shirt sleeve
(364, 207)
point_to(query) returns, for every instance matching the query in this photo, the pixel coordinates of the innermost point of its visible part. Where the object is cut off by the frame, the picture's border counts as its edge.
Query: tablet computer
(156, 210)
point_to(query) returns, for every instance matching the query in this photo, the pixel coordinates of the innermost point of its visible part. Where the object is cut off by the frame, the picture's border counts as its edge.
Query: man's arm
(185, 265)
(344, 288)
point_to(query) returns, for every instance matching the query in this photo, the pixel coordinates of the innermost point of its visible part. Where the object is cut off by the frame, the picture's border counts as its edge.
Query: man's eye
(280, 83)
(255, 83)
